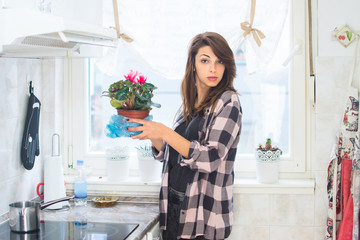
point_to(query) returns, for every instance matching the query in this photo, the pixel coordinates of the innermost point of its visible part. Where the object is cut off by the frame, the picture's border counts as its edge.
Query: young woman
(199, 151)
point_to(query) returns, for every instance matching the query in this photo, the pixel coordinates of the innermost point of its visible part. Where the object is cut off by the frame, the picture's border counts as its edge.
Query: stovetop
(54, 230)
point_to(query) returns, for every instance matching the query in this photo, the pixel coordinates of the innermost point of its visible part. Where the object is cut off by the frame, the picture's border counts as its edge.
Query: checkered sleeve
(159, 155)
(224, 128)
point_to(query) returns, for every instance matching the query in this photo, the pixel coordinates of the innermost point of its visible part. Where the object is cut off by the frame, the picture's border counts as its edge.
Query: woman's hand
(158, 133)
(150, 130)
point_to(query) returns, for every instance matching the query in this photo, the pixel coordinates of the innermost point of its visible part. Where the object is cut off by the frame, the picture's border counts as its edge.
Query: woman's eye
(204, 61)
(220, 62)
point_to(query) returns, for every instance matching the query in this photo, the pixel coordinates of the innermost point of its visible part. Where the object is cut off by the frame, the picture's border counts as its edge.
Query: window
(273, 100)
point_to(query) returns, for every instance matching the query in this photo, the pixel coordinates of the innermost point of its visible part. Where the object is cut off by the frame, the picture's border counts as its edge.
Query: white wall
(335, 14)
(17, 183)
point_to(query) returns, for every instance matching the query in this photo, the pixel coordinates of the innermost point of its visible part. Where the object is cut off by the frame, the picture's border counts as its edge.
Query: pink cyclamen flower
(131, 76)
(142, 79)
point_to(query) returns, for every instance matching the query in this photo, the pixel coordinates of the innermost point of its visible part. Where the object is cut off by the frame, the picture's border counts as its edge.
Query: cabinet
(153, 234)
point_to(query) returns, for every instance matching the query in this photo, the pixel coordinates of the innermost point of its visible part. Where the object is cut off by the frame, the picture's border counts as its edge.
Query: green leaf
(141, 103)
(349, 35)
(147, 95)
(122, 94)
(149, 86)
(115, 103)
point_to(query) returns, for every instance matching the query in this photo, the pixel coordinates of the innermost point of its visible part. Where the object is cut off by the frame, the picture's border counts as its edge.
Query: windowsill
(133, 185)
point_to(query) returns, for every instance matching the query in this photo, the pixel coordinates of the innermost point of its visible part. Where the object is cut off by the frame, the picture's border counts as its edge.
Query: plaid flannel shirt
(208, 205)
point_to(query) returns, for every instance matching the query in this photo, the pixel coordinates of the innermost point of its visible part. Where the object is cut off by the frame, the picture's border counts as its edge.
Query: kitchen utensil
(30, 146)
(25, 216)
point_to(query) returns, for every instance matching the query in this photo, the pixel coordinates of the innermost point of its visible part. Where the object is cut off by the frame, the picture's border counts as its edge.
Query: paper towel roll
(54, 181)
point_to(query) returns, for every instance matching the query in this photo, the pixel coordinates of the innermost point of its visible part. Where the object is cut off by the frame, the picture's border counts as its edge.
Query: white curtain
(162, 31)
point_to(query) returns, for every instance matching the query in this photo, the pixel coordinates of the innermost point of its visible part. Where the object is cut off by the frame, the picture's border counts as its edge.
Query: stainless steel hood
(29, 33)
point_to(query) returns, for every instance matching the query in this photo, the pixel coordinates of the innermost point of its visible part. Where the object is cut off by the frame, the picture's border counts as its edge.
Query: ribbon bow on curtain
(247, 27)
(117, 24)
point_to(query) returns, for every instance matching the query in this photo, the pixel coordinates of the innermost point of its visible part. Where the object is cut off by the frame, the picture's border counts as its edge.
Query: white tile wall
(17, 183)
(292, 210)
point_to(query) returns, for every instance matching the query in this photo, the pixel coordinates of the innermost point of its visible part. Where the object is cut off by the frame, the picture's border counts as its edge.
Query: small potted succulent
(267, 162)
(132, 95)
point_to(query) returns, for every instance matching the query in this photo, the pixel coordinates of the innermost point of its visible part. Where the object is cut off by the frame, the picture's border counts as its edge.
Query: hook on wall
(31, 88)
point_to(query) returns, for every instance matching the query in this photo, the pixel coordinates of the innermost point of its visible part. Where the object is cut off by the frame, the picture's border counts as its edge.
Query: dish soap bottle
(80, 185)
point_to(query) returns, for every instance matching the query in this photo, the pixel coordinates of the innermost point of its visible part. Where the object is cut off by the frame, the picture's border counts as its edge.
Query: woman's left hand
(150, 130)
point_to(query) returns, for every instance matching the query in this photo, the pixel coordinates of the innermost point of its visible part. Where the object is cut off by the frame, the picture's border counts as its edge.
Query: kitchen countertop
(141, 210)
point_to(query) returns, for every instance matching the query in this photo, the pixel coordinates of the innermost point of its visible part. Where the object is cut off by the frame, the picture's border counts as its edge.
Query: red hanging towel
(346, 202)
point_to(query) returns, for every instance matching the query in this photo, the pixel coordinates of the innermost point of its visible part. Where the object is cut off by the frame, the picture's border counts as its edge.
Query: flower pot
(149, 168)
(267, 165)
(117, 163)
(117, 170)
(140, 114)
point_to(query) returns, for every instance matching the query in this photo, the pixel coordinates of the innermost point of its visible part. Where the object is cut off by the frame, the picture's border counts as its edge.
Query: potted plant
(267, 162)
(132, 95)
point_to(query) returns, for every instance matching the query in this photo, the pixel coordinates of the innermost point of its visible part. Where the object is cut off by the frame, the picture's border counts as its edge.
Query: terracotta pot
(140, 114)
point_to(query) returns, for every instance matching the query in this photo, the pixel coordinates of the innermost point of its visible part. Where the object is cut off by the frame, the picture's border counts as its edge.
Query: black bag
(30, 142)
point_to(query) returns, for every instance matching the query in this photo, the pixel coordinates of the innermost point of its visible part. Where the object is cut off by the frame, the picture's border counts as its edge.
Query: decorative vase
(140, 114)
(267, 165)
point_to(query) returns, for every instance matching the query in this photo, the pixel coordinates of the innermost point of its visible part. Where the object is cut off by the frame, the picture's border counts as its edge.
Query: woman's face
(209, 69)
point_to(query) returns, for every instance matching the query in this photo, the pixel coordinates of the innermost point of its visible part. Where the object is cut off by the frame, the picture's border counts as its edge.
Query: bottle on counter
(80, 185)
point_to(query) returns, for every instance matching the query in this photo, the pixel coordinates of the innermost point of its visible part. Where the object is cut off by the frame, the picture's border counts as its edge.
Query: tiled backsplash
(17, 183)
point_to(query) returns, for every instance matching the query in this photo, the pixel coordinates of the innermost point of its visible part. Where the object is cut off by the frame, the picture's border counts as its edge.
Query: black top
(180, 176)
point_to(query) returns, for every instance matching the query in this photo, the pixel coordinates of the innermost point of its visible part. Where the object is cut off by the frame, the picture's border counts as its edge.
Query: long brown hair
(223, 52)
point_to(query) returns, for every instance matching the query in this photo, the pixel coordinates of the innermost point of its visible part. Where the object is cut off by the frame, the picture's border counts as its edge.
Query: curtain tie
(126, 37)
(256, 33)
(117, 24)
(247, 27)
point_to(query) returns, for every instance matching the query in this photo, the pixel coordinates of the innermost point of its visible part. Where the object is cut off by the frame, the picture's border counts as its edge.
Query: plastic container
(80, 185)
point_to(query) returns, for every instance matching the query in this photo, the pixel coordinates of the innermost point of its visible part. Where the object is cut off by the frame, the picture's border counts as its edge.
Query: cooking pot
(25, 215)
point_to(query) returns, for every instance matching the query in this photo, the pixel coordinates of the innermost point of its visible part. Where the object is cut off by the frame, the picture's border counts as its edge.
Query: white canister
(267, 165)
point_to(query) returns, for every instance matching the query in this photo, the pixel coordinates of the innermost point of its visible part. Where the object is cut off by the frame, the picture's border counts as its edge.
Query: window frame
(294, 166)
(297, 165)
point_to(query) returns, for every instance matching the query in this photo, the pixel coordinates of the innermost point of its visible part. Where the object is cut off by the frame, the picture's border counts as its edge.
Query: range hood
(29, 33)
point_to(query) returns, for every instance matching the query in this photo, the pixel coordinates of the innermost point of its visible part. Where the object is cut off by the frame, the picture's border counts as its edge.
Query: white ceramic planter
(117, 170)
(149, 168)
(267, 166)
(117, 163)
